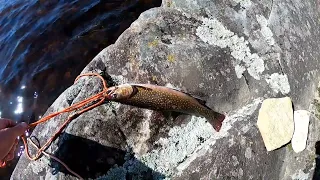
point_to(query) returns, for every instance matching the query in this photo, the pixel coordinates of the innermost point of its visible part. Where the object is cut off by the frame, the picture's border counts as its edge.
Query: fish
(165, 99)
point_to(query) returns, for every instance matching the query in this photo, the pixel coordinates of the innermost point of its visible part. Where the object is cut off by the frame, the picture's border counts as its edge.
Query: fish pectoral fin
(135, 89)
(177, 117)
(175, 114)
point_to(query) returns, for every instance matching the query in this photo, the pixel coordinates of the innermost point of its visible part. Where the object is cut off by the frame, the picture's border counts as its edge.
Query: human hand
(9, 131)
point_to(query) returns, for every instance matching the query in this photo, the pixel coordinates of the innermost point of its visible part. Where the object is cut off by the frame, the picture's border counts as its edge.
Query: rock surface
(233, 54)
(275, 122)
(301, 129)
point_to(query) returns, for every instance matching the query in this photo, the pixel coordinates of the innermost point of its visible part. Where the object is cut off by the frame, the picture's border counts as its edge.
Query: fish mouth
(110, 91)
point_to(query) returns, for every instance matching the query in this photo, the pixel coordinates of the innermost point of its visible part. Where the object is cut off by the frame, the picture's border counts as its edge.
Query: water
(44, 45)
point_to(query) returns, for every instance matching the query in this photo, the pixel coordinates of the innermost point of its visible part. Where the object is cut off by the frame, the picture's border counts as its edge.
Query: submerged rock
(275, 122)
(301, 129)
(233, 54)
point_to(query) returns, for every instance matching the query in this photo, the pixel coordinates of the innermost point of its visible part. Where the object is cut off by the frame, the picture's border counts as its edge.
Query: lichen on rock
(233, 54)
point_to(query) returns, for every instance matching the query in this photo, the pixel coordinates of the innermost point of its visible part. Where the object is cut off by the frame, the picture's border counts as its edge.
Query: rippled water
(44, 45)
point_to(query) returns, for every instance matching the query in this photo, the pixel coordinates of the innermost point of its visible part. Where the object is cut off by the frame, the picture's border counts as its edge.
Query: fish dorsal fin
(201, 101)
(141, 86)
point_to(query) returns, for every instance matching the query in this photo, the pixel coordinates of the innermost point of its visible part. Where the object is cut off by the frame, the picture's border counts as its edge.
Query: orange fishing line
(98, 99)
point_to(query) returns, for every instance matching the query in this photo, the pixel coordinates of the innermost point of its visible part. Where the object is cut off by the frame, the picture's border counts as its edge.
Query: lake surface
(44, 45)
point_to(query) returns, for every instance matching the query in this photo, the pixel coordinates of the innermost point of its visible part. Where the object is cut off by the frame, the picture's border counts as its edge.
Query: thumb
(18, 129)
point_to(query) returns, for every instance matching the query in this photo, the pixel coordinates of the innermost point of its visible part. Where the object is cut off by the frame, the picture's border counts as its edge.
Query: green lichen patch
(289, 146)
(171, 58)
(169, 3)
(153, 43)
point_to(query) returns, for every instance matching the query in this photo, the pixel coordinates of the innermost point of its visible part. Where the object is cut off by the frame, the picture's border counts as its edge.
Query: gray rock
(233, 54)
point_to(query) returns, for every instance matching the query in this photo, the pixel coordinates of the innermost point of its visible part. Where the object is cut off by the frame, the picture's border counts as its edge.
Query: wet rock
(231, 54)
(301, 129)
(275, 122)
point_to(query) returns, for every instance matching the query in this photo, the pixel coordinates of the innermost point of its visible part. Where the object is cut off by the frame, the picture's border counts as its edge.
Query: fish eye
(114, 96)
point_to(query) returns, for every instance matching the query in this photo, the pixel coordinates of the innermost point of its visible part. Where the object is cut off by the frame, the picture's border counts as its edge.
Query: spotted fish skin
(162, 98)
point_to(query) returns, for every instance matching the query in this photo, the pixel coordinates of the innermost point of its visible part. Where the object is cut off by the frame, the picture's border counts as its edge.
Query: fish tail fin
(216, 120)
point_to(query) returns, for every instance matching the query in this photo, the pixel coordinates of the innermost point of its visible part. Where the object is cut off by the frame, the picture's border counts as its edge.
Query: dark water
(45, 44)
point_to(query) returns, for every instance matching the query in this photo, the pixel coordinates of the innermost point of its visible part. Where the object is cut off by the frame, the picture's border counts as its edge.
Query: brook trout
(162, 98)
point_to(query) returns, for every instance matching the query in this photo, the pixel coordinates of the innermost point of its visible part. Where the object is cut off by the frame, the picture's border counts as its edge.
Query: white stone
(301, 128)
(275, 122)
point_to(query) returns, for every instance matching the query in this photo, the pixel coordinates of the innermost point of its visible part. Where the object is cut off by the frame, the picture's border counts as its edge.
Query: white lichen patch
(300, 175)
(278, 83)
(182, 142)
(39, 165)
(119, 79)
(265, 30)
(244, 3)
(243, 141)
(245, 129)
(248, 153)
(235, 160)
(231, 141)
(240, 173)
(239, 70)
(213, 32)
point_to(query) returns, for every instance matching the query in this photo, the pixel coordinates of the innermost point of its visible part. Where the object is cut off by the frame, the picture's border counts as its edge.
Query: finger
(4, 123)
(18, 130)
(10, 136)
(10, 156)
(12, 151)
(14, 147)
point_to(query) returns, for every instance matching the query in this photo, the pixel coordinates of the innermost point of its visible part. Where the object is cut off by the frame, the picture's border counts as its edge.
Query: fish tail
(216, 120)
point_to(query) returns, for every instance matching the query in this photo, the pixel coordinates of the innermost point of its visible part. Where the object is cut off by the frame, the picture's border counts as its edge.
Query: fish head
(120, 92)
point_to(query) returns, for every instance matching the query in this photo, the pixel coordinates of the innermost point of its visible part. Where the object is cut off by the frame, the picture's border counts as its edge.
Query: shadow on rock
(316, 174)
(92, 160)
